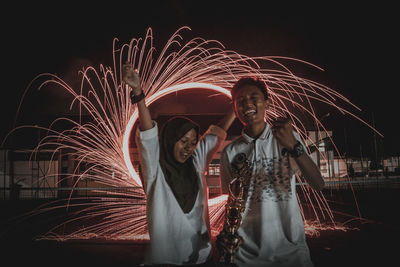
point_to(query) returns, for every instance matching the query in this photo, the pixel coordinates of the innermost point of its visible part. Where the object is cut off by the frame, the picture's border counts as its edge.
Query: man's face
(250, 105)
(185, 146)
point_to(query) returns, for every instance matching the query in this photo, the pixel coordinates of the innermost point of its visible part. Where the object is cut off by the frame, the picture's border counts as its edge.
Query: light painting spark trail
(101, 147)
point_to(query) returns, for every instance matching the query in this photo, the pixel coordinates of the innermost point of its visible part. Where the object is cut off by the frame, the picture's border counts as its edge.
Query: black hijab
(181, 177)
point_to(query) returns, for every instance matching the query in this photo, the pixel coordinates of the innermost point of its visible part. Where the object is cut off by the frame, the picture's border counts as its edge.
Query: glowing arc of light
(154, 97)
(102, 147)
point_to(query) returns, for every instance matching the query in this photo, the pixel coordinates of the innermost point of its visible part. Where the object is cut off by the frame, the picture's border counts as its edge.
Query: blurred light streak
(101, 146)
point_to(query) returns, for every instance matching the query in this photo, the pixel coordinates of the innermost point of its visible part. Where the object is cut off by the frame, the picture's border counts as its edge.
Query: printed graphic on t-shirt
(271, 180)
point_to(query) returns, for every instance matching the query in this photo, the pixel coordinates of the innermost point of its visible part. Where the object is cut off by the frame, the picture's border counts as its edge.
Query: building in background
(46, 175)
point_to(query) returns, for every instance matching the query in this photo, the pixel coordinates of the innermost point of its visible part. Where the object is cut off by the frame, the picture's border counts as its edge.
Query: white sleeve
(208, 145)
(149, 152)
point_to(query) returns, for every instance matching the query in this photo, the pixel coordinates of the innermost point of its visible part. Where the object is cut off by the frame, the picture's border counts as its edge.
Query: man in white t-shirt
(272, 228)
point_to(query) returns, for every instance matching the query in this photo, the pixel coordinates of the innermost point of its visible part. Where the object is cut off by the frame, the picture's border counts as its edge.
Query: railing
(25, 193)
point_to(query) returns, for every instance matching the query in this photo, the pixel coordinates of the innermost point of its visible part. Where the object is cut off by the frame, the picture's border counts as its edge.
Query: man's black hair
(244, 81)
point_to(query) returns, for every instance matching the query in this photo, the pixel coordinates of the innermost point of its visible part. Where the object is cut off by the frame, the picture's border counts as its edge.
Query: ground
(368, 242)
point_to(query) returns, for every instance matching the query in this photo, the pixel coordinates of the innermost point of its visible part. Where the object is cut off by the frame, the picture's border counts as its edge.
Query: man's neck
(255, 130)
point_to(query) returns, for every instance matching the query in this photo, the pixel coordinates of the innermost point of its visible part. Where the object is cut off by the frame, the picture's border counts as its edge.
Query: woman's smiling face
(184, 148)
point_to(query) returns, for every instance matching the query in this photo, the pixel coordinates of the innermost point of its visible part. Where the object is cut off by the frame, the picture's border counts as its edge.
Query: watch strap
(137, 98)
(297, 151)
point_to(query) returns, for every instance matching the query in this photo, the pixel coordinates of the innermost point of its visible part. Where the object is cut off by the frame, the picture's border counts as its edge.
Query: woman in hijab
(173, 168)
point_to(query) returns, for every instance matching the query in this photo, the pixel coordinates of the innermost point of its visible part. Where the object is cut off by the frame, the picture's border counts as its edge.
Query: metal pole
(375, 150)
(362, 165)
(318, 156)
(11, 183)
(5, 173)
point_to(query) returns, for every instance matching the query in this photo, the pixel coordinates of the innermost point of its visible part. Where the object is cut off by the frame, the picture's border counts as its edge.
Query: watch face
(298, 150)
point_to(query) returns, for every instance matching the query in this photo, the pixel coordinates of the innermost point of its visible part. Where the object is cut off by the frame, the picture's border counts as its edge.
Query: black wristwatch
(297, 151)
(137, 98)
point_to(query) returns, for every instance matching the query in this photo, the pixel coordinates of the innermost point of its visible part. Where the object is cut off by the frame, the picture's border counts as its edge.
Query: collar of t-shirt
(264, 135)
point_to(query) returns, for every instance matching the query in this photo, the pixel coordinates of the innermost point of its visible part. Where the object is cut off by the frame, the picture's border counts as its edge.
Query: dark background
(355, 45)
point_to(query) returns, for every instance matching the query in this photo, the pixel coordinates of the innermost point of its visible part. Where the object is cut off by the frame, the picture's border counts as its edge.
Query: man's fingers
(277, 131)
(280, 121)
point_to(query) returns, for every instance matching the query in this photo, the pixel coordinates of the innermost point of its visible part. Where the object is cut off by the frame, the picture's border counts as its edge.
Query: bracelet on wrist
(137, 98)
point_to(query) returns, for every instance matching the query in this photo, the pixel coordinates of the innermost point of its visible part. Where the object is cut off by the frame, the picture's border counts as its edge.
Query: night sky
(355, 46)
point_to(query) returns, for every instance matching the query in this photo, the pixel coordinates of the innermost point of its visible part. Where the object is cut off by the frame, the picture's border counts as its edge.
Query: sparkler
(102, 145)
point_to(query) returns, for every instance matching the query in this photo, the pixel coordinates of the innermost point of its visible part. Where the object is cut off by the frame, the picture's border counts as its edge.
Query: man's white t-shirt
(176, 237)
(272, 226)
